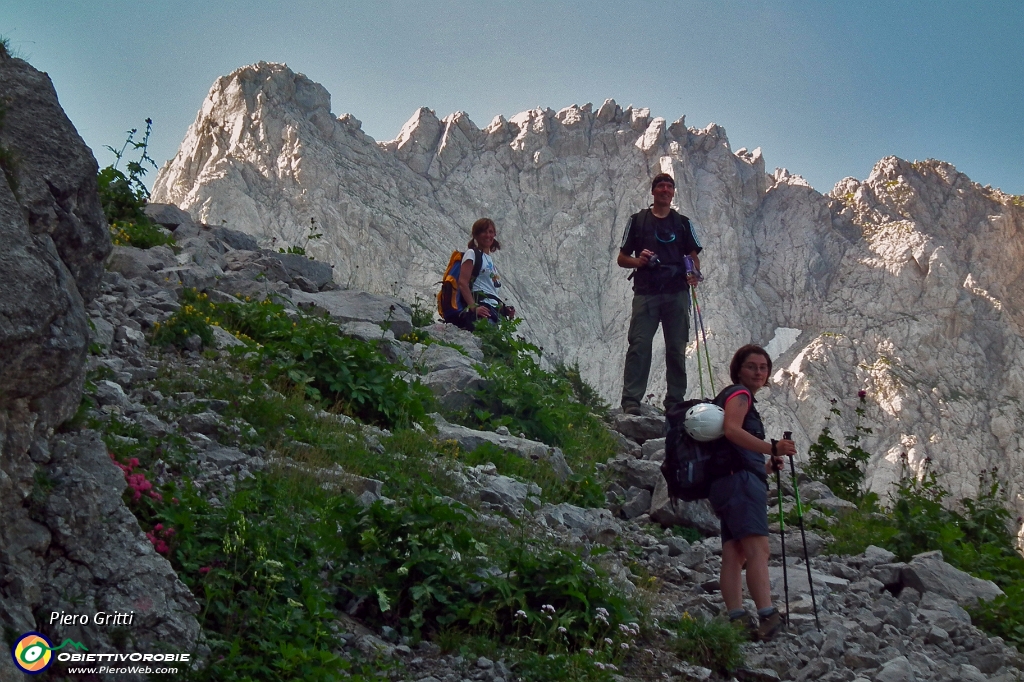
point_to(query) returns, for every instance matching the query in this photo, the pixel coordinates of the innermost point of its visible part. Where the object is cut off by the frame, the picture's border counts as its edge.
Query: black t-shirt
(671, 238)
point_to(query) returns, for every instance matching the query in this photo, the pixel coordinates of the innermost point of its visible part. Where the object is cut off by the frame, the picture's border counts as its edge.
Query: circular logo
(32, 653)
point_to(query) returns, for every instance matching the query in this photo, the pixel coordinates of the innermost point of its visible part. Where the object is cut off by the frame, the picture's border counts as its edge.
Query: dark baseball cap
(662, 177)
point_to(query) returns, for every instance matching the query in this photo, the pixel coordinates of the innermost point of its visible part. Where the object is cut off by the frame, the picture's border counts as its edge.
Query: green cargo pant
(673, 312)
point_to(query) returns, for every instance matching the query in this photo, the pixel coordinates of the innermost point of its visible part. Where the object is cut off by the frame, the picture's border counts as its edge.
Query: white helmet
(704, 422)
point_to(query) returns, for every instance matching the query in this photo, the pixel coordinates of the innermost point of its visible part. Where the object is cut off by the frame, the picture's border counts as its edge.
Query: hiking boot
(769, 627)
(746, 624)
(632, 409)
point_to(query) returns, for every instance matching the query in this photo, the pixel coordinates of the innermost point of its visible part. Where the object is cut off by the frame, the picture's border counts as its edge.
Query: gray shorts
(741, 502)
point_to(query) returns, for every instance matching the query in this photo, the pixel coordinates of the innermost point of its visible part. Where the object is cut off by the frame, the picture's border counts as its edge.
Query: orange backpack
(449, 301)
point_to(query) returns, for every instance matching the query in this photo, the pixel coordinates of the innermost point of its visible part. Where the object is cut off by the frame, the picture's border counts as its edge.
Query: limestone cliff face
(907, 285)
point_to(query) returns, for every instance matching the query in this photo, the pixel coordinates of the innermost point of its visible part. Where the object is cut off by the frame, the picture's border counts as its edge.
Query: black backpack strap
(477, 262)
(685, 226)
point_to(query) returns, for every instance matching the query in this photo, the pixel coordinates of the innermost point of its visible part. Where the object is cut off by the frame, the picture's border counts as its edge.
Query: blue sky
(824, 88)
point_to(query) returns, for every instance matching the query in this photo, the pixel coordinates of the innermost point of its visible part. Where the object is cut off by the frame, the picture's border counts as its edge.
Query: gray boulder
(238, 241)
(890, 575)
(797, 575)
(505, 494)
(133, 262)
(795, 543)
(102, 332)
(651, 449)
(222, 338)
(55, 173)
(929, 573)
(469, 439)
(623, 445)
(168, 215)
(638, 501)
(836, 505)
(597, 525)
(639, 428)
(352, 306)
(449, 333)
(670, 512)
(206, 423)
(454, 387)
(942, 612)
(366, 331)
(101, 560)
(897, 670)
(252, 265)
(110, 393)
(300, 266)
(815, 490)
(637, 472)
(433, 357)
(875, 555)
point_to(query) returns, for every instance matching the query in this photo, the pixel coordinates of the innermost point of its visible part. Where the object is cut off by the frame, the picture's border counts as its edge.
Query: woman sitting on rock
(739, 495)
(484, 301)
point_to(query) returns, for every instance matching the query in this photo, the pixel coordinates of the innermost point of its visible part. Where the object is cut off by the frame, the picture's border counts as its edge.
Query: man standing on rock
(656, 242)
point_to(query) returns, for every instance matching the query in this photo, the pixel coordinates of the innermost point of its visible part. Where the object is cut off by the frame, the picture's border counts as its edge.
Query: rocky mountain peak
(907, 284)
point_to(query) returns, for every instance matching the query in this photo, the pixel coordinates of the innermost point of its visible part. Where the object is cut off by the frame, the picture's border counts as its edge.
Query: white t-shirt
(488, 282)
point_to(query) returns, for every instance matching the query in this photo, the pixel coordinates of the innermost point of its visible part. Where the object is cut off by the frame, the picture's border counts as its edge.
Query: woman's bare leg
(731, 578)
(755, 548)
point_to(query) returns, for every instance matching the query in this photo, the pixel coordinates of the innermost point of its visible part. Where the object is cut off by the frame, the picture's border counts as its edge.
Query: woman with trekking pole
(739, 493)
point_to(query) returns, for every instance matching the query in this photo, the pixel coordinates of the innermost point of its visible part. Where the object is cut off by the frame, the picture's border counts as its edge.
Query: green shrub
(276, 563)
(306, 350)
(853, 532)
(714, 644)
(423, 312)
(542, 405)
(840, 468)
(193, 318)
(584, 393)
(253, 566)
(301, 250)
(578, 666)
(124, 197)
(425, 566)
(1003, 616)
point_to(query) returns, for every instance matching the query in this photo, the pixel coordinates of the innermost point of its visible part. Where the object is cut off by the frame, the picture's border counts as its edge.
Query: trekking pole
(696, 341)
(800, 517)
(782, 533)
(700, 320)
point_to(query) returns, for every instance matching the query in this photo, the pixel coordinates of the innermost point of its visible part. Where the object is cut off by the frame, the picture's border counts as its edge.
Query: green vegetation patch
(542, 405)
(124, 197)
(276, 564)
(306, 350)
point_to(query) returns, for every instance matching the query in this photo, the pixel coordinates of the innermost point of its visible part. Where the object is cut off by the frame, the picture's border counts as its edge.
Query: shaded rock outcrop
(65, 533)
